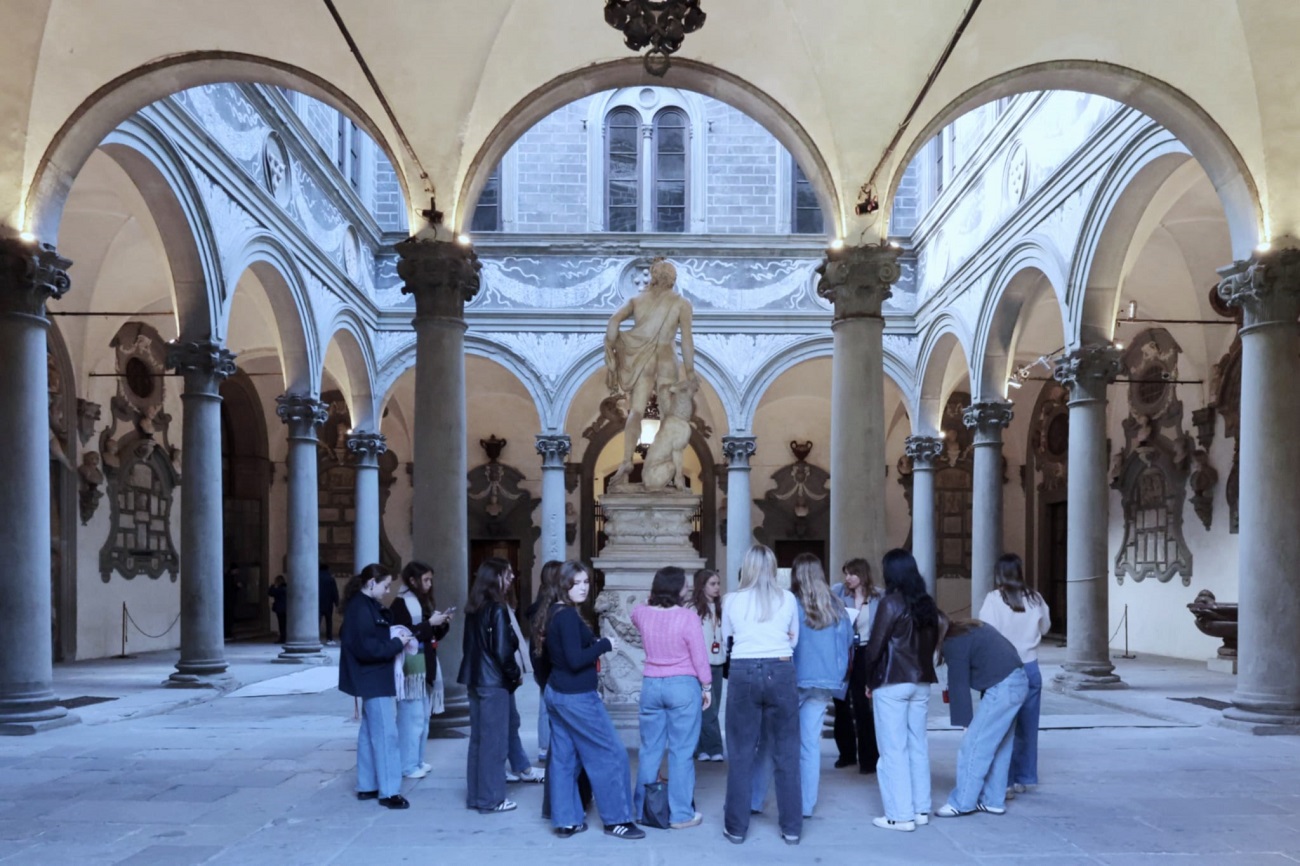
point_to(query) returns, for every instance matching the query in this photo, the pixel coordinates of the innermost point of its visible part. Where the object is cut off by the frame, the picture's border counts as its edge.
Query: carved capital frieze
(988, 418)
(203, 363)
(30, 274)
(858, 280)
(738, 450)
(553, 448)
(303, 413)
(923, 450)
(1087, 371)
(1266, 287)
(366, 447)
(442, 276)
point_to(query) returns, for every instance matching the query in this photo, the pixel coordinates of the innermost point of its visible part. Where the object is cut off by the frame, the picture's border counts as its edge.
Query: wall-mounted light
(649, 430)
(1132, 309)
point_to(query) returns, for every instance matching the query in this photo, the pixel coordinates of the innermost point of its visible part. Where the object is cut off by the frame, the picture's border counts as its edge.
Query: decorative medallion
(352, 254)
(275, 168)
(1017, 174)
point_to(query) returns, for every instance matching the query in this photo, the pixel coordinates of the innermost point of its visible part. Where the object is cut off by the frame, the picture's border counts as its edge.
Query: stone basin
(1217, 619)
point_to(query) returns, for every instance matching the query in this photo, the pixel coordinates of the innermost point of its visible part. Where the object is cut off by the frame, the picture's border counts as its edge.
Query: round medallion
(1017, 173)
(352, 254)
(275, 168)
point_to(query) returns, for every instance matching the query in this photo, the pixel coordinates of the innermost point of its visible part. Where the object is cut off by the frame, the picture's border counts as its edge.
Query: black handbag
(655, 811)
(726, 663)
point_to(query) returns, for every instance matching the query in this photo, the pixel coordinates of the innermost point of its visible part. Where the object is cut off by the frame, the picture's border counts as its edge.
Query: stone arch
(483, 347)
(101, 112)
(1168, 106)
(168, 189)
(942, 341)
(1016, 281)
(1107, 234)
(350, 333)
(687, 74)
(281, 278)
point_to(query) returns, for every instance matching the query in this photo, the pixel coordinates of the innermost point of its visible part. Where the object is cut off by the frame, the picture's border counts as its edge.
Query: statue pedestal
(645, 531)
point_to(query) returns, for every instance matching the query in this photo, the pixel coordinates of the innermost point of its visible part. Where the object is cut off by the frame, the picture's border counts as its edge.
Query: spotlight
(27, 237)
(837, 244)
(463, 240)
(1263, 247)
(1013, 382)
(869, 204)
(895, 245)
(1132, 309)
(1119, 346)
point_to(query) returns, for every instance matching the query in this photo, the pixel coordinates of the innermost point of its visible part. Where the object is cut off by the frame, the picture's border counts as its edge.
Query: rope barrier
(127, 618)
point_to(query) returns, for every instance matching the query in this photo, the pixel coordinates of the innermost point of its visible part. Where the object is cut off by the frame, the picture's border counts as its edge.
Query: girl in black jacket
(366, 670)
(490, 673)
(413, 608)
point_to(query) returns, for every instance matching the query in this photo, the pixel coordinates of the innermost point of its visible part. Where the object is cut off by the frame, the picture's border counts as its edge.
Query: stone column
(988, 418)
(740, 530)
(366, 448)
(924, 451)
(553, 448)
(1087, 371)
(443, 276)
(203, 364)
(302, 413)
(857, 281)
(1267, 288)
(30, 274)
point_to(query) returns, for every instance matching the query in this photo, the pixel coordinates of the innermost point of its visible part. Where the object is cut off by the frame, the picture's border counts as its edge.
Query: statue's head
(662, 275)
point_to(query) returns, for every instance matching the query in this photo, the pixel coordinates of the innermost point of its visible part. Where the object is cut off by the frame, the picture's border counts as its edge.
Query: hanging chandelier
(661, 24)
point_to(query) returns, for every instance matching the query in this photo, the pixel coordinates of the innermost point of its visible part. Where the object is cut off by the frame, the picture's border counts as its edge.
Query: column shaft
(303, 414)
(988, 419)
(924, 451)
(366, 448)
(740, 529)
(28, 276)
(553, 449)
(203, 364)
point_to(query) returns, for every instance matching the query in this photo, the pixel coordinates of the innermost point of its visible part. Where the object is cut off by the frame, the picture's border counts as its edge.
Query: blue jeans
(710, 742)
(489, 734)
(519, 762)
(762, 703)
(812, 712)
(903, 771)
(670, 716)
(379, 764)
(582, 736)
(984, 756)
(413, 730)
(1024, 751)
(543, 729)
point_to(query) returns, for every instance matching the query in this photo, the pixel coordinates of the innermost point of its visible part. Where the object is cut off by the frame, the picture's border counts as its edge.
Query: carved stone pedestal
(646, 532)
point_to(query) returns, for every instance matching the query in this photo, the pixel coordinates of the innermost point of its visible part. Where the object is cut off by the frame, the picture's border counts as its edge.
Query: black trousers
(855, 724)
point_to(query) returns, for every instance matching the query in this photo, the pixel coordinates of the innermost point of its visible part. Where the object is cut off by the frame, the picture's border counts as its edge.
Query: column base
(22, 721)
(218, 680)
(452, 722)
(1088, 678)
(1263, 720)
(295, 656)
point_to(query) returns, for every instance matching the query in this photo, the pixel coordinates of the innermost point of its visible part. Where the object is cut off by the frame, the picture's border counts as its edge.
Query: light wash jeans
(379, 765)
(812, 712)
(583, 738)
(984, 756)
(670, 716)
(903, 771)
(543, 729)
(1024, 752)
(517, 757)
(413, 730)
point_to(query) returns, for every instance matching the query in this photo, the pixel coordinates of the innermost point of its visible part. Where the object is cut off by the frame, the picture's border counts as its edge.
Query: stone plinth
(645, 531)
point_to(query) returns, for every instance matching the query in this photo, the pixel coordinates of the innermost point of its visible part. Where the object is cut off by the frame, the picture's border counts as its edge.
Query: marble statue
(643, 360)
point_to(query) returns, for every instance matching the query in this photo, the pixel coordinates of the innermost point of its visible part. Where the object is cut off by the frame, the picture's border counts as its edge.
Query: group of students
(787, 655)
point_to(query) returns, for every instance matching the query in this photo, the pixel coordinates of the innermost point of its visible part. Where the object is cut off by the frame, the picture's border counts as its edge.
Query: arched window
(487, 214)
(669, 175)
(622, 170)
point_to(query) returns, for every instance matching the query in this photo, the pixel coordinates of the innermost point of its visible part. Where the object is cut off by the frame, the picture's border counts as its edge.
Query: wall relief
(140, 465)
(799, 504)
(499, 509)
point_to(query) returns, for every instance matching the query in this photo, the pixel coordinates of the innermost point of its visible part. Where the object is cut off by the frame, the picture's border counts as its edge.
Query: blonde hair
(758, 575)
(808, 582)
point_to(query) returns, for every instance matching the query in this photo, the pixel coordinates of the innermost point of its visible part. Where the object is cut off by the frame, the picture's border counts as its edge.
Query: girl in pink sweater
(674, 692)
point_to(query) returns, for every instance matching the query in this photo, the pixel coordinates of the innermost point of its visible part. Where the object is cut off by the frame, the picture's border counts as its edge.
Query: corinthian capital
(443, 276)
(553, 448)
(1087, 371)
(203, 363)
(1266, 287)
(738, 450)
(988, 418)
(30, 275)
(923, 450)
(367, 447)
(302, 413)
(858, 280)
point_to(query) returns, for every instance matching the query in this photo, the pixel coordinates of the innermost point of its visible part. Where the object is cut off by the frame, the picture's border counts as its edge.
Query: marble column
(443, 276)
(365, 449)
(553, 447)
(30, 274)
(740, 529)
(302, 414)
(857, 280)
(988, 418)
(1087, 371)
(1267, 289)
(203, 364)
(924, 451)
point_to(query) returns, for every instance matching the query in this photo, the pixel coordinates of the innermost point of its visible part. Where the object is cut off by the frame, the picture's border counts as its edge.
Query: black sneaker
(367, 795)
(397, 801)
(566, 832)
(841, 763)
(626, 830)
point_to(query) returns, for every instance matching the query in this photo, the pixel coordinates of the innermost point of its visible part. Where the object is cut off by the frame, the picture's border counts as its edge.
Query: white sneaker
(717, 758)
(922, 818)
(702, 756)
(419, 772)
(886, 824)
(532, 774)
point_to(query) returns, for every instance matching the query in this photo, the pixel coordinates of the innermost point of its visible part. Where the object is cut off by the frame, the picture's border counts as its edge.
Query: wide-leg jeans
(670, 716)
(582, 735)
(1024, 751)
(489, 735)
(762, 700)
(812, 713)
(413, 729)
(379, 763)
(518, 758)
(984, 756)
(903, 770)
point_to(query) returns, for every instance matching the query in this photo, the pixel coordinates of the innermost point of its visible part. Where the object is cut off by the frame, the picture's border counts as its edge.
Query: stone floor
(265, 775)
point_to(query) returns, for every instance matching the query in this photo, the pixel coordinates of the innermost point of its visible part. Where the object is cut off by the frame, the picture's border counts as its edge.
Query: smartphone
(449, 611)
